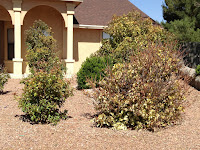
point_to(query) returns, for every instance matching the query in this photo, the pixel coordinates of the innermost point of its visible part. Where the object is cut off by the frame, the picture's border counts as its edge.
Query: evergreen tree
(183, 19)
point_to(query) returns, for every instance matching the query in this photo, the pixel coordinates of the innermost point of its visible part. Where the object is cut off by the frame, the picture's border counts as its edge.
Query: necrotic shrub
(4, 76)
(92, 68)
(144, 93)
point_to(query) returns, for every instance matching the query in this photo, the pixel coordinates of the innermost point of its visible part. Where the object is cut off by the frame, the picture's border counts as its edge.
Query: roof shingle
(100, 12)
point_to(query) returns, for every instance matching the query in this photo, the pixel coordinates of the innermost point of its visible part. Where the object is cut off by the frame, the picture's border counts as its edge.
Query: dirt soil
(78, 131)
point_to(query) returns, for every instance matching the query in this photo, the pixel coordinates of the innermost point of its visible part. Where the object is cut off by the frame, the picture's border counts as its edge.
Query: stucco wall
(52, 18)
(29, 4)
(7, 4)
(4, 15)
(6, 10)
(86, 42)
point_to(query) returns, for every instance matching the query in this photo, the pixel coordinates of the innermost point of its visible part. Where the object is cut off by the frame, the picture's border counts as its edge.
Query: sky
(152, 8)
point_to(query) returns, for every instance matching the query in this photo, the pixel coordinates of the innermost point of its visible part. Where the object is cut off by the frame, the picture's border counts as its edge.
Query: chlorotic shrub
(144, 93)
(4, 76)
(128, 33)
(45, 89)
(92, 68)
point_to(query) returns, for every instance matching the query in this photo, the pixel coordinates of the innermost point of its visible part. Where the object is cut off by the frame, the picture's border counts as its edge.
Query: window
(106, 36)
(10, 35)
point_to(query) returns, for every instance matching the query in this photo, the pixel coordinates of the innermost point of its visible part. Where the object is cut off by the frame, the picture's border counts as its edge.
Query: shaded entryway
(52, 18)
(6, 38)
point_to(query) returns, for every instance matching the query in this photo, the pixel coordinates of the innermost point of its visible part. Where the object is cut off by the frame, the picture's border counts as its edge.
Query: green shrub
(92, 68)
(198, 70)
(44, 93)
(144, 93)
(45, 90)
(4, 76)
(41, 47)
(128, 33)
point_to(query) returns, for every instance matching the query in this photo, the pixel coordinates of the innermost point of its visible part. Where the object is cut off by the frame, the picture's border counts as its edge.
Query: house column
(17, 60)
(70, 60)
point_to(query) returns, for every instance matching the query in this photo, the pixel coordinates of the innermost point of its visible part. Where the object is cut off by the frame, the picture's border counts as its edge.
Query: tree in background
(182, 18)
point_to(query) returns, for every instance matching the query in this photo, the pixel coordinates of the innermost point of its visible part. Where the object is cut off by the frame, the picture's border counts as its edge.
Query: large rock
(197, 83)
(191, 73)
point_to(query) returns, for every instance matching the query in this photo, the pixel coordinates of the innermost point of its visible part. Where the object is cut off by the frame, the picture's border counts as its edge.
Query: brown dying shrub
(144, 93)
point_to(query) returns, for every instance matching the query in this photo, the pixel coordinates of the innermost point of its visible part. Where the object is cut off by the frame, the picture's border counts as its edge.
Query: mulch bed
(78, 131)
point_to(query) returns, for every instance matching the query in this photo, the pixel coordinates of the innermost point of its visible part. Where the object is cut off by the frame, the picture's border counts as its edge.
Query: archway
(6, 38)
(52, 18)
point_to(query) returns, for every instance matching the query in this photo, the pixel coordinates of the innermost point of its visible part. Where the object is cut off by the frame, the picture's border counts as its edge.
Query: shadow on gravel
(4, 93)
(26, 118)
(88, 115)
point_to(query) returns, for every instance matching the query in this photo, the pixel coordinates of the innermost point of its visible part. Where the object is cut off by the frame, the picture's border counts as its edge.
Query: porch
(16, 16)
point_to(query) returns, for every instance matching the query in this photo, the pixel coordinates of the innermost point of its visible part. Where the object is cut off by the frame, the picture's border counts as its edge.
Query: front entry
(6, 39)
(1, 42)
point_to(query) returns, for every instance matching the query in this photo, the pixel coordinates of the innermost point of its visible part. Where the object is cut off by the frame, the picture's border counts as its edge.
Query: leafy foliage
(144, 93)
(198, 70)
(41, 47)
(4, 76)
(45, 90)
(44, 93)
(183, 18)
(128, 33)
(92, 68)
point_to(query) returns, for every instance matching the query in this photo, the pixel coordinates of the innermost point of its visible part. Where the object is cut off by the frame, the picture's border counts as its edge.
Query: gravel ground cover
(78, 131)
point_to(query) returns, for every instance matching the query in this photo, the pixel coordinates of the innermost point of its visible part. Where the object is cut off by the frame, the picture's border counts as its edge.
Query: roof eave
(83, 26)
(76, 2)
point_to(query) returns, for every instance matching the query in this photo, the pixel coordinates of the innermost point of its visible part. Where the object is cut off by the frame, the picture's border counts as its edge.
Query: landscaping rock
(196, 83)
(191, 73)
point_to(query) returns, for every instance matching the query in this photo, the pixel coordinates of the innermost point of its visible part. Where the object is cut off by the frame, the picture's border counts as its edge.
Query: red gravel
(78, 132)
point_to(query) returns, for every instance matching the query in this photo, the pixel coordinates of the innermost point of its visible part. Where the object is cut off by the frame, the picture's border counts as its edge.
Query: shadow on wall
(1, 42)
(192, 54)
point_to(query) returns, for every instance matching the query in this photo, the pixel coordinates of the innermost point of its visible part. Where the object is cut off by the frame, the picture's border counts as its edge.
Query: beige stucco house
(77, 26)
